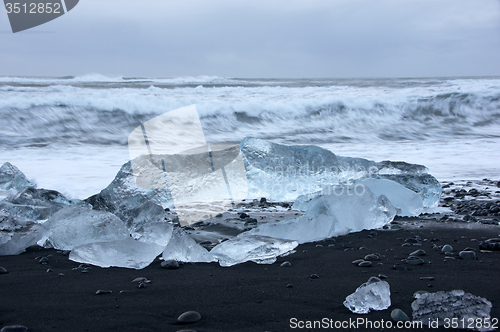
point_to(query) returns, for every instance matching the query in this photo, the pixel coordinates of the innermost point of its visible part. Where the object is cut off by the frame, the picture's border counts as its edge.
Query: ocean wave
(67, 114)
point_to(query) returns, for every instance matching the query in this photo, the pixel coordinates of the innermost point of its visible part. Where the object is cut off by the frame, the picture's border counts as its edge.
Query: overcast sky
(257, 38)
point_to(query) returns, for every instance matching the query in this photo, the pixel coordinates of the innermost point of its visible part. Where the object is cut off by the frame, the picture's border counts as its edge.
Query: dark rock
(447, 248)
(219, 215)
(399, 267)
(43, 260)
(418, 252)
(289, 286)
(142, 284)
(426, 278)
(314, 276)
(263, 200)
(286, 264)
(382, 276)
(365, 264)
(414, 261)
(467, 255)
(102, 292)
(372, 257)
(398, 315)
(412, 240)
(170, 264)
(244, 215)
(3, 270)
(189, 317)
(250, 221)
(14, 328)
(357, 261)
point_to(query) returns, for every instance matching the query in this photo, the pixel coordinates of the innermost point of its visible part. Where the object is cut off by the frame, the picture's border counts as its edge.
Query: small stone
(412, 240)
(418, 252)
(142, 284)
(467, 255)
(43, 260)
(398, 315)
(414, 261)
(244, 215)
(400, 267)
(314, 276)
(139, 279)
(357, 261)
(189, 317)
(372, 257)
(263, 200)
(447, 248)
(286, 264)
(170, 264)
(3, 270)
(365, 264)
(14, 328)
(289, 286)
(61, 274)
(101, 292)
(49, 270)
(382, 276)
(218, 215)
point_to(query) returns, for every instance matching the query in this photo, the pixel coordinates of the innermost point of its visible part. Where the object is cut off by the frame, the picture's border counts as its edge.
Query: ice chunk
(183, 248)
(128, 253)
(12, 178)
(123, 194)
(464, 307)
(334, 213)
(17, 234)
(37, 204)
(284, 173)
(73, 226)
(148, 223)
(407, 202)
(258, 249)
(374, 294)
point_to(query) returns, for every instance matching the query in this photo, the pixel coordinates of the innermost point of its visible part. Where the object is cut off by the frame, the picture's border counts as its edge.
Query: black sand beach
(246, 297)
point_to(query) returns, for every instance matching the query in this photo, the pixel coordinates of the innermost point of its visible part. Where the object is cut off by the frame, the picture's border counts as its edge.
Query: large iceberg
(374, 294)
(283, 173)
(73, 226)
(334, 213)
(258, 249)
(128, 253)
(17, 233)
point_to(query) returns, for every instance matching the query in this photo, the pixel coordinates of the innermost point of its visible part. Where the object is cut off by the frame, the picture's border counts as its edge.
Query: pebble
(399, 315)
(383, 276)
(49, 270)
(414, 261)
(412, 240)
(142, 284)
(365, 264)
(100, 292)
(400, 267)
(286, 264)
(3, 270)
(189, 317)
(372, 257)
(418, 252)
(426, 278)
(447, 248)
(289, 286)
(170, 264)
(244, 215)
(357, 261)
(14, 328)
(467, 255)
(139, 279)
(43, 260)
(314, 276)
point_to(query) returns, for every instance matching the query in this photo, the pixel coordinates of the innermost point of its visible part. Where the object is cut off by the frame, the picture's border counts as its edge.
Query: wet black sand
(246, 297)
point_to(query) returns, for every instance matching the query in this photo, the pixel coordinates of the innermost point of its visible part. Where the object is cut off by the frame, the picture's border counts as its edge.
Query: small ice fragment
(258, 249)
(128, 253)
(455, 305)
(183, 248)
(374, 294)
